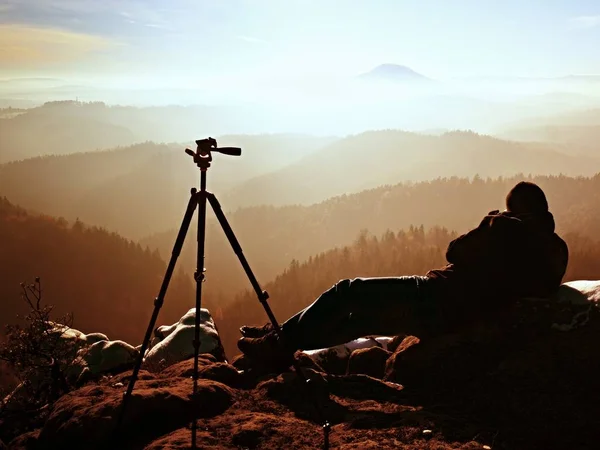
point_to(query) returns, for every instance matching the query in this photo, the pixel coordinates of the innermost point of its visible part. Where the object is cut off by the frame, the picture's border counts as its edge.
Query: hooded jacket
(507, 255)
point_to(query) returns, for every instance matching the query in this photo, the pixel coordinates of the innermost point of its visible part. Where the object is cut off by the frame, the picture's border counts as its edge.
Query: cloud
(108, 18)
(33, 47)
(4, 8)
(585, 22)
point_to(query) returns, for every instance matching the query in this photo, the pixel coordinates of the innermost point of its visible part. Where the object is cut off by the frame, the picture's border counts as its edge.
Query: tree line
(107, 282)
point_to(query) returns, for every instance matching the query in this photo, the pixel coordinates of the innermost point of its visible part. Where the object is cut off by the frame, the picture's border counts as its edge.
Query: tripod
(203, 157)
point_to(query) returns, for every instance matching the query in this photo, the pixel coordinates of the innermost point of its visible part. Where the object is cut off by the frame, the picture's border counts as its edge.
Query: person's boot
(256, 332)
(267, 352)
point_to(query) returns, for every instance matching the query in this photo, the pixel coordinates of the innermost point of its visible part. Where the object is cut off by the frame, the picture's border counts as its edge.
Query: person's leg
(360, 307)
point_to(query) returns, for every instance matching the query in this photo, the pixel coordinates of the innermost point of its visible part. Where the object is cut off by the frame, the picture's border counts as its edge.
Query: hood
(536, 221)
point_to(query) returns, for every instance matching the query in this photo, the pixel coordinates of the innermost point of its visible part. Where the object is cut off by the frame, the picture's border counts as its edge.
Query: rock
(185, 368)
(25, 441)
(217, 371)
(240, 362)
(307, 362)
(247, 437)
(395, 342)
(442, 362)
(93, 354)
(248, 431)
(368, 361)
(406, 343)
(363, 387)
(174, 343)
(86, 418)
(109, 356)
(126, 376)
(92, 338)
(223, 373)
(290, 389)
(395, 363)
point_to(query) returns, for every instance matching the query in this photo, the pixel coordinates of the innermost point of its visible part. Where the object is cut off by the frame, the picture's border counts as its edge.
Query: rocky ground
(517, 384)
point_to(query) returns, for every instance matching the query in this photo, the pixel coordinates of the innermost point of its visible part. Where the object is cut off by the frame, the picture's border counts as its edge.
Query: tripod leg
(199, 278)
(263, 296)
(158, 302)
(237, 248)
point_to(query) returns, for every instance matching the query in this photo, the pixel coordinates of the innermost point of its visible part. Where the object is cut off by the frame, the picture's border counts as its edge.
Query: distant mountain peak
(393, 72)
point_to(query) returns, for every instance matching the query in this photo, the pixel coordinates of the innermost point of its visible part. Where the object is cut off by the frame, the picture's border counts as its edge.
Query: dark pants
(362, 307)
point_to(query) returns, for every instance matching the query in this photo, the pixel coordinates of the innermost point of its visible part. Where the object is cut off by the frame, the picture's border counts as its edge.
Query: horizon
(305, 55)
(147, 41)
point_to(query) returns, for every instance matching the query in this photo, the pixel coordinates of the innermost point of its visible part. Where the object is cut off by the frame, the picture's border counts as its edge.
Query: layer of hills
(56, 130)
(66, 127)
(143, 189)
(375, 158)
(410, 101)
(92, 271)
(576, 132)
(272, 237)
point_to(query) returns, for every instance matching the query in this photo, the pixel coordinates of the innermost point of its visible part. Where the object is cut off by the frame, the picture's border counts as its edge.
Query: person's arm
(469, 246)
(495, 229)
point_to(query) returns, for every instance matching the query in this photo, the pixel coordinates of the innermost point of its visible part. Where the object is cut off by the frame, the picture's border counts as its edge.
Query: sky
(179, 42)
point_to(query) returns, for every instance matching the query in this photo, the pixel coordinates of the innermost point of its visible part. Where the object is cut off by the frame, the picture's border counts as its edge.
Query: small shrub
(39, 352)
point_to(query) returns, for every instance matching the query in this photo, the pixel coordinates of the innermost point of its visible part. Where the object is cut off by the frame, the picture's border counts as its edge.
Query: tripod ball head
(210, 145)
(202, 156)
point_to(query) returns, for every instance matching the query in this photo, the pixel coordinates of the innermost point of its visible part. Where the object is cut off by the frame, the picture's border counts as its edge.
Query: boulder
(93, 354)
(25, 441)
(105, 356)
(174, 343)
(396, 362)
(395, 342)
(222, 372)
(368, 361)
(86, 418)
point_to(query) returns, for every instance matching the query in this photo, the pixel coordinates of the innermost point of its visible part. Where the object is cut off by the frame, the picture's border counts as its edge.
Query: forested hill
(60, 128)
(66, 127)
(143, 188)
(108, 282)
(375, 158)
(582, 139)
(272, 236)
(84, 185)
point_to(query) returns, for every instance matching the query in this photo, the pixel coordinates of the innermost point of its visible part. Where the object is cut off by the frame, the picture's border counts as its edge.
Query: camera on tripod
(202, 156)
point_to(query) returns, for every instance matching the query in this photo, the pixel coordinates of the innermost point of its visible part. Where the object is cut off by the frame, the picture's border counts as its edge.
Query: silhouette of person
(511, 254)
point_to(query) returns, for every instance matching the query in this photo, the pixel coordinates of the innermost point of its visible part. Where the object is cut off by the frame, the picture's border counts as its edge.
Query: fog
(324, 105)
